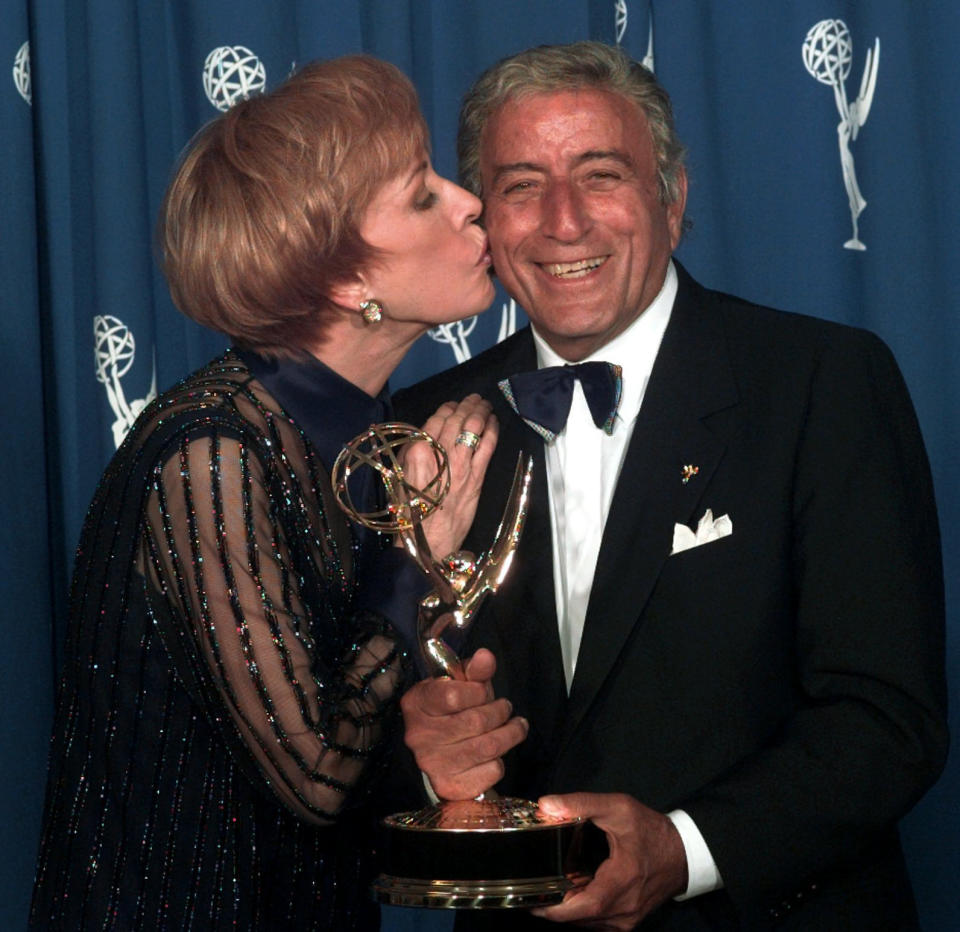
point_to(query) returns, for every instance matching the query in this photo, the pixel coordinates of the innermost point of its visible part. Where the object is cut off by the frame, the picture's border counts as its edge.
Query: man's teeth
(575, 269)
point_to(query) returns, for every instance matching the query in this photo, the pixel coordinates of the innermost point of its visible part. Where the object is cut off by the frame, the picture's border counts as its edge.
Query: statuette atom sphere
(381, 448)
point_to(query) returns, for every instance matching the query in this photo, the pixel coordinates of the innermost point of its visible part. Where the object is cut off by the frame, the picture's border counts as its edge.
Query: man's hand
(458, 732)
(646, 867)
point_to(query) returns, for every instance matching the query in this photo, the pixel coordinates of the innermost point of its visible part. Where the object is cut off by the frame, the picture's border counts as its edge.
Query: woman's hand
(468, 432)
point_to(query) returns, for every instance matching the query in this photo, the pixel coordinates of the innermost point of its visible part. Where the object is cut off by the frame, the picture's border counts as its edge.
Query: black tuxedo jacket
(783, 685)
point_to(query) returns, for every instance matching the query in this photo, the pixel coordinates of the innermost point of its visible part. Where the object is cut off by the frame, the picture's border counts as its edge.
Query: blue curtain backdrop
(791, 168)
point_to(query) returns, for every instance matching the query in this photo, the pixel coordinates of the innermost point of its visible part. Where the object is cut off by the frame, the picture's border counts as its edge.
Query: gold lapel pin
(687, 473)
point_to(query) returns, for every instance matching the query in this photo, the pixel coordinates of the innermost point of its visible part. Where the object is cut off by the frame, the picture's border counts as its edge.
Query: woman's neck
(365, 354)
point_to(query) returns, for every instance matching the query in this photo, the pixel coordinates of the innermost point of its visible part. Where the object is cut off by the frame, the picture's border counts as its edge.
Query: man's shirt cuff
(702, 873)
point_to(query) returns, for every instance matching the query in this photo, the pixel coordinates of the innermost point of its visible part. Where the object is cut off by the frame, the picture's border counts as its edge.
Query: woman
(235, 649)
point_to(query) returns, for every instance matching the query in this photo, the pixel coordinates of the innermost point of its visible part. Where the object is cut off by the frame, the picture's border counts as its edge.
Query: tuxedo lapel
(691, 379)
(535, 665)
(514, 438)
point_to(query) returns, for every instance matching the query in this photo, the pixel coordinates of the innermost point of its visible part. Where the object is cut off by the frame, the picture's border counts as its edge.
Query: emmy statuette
(483, 853)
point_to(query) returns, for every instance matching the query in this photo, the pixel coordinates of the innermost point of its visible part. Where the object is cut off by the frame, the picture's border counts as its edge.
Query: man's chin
(572, 344)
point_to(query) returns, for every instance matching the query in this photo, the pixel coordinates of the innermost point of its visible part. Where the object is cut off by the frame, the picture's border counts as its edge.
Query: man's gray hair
(550, 68)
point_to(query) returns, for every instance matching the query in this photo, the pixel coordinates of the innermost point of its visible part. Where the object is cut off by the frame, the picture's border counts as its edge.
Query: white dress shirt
(583, 466)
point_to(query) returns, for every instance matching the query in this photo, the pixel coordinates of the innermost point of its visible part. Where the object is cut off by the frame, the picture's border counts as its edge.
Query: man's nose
(564, 215)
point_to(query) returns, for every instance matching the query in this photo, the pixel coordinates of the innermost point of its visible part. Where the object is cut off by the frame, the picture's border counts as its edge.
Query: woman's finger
(434, 424)
(484, 449)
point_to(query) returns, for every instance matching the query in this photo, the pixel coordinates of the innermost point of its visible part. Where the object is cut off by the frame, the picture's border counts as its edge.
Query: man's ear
(676, 209)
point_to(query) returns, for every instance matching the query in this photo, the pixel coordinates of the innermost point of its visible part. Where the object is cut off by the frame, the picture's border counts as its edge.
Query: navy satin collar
(330, 410)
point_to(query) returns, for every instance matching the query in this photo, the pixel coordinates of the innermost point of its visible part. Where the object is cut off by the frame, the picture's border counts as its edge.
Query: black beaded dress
(228, 699)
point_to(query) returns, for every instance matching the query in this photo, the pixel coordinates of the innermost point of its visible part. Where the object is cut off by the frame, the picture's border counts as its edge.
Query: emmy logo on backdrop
(489, 852)
(620, 14)
(113, 352)
(827, 54)
(456, 335)
(21, 72)
(232, 73)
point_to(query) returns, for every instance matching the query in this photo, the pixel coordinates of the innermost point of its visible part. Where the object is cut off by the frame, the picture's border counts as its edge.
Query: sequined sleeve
(240, 550)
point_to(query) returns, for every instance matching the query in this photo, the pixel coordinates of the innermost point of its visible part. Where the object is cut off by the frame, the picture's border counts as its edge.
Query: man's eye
(518, 187)
(426, 201)
(604, 176)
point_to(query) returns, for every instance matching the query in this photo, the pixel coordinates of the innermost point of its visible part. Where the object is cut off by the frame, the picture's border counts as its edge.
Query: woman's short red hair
(262, 216)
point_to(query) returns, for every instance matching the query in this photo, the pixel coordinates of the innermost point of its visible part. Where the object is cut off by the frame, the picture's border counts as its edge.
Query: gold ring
(468, 438)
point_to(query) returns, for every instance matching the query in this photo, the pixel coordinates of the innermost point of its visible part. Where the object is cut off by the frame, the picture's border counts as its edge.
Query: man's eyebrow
(615, 155)
(512, 167)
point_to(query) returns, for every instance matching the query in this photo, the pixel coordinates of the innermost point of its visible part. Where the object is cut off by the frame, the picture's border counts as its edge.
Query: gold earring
(372, 311)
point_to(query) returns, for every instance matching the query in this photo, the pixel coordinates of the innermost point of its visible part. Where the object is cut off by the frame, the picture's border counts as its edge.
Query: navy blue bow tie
(542, 398)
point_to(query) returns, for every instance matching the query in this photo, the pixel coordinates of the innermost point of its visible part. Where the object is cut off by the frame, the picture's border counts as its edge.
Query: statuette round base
(479, 854)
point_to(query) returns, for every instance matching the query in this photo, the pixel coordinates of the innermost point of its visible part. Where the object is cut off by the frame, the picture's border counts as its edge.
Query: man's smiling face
(577, 231)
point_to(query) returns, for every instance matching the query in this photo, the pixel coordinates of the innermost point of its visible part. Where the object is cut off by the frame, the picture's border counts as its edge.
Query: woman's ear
(349, 294)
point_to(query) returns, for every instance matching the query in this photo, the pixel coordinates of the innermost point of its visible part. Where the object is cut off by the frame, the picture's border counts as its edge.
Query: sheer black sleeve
(240, 545)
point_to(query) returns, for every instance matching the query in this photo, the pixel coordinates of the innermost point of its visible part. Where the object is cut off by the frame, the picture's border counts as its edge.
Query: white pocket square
(708, 529)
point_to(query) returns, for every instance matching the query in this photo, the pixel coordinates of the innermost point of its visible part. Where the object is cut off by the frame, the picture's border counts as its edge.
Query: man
(723, 633)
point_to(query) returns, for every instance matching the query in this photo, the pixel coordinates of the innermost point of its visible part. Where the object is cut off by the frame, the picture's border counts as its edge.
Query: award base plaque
(479, 854)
